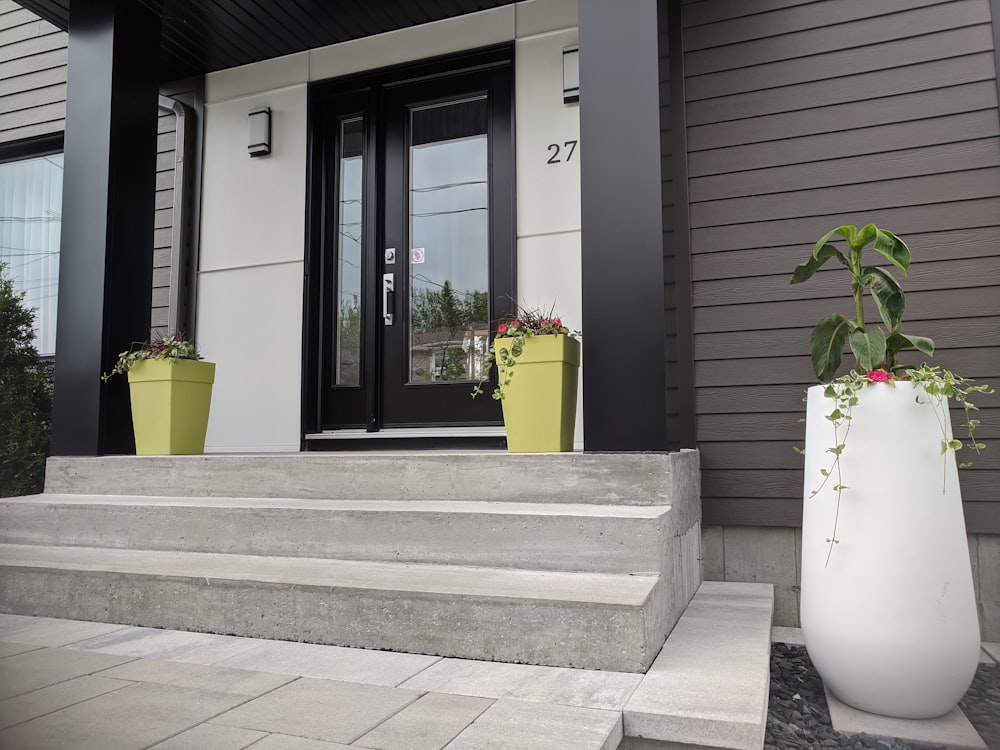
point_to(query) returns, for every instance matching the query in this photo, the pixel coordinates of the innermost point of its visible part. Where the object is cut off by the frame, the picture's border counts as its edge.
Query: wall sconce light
(260, 132)
(571, 74)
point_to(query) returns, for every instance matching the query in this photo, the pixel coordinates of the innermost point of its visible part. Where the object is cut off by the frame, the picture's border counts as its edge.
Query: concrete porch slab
(952, 729)
(320, 709)
(47, 700)
(385, 668)
(44, 631)
(430, 723)
(993, 650)
(623, 478)
(104, 722)
(514, 725)
(211, 736)
(168, 645)
(33, 670)
(709, 685)
(570, 687)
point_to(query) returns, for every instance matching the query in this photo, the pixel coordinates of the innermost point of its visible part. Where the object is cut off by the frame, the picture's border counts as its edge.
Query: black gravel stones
(798, 716)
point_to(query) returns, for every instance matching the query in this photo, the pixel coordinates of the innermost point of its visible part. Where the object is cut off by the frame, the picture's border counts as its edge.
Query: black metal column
(105, 267)
(624, 383)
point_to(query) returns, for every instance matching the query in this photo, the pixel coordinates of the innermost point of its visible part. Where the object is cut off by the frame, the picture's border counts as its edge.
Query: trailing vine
(939, 386)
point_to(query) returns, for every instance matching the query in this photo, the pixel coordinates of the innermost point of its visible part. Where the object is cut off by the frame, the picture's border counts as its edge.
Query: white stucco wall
(254, 210)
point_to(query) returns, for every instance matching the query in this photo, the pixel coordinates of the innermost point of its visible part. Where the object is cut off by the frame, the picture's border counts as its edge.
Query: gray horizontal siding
(974, 332)
(33, 58)
(934, 74)
(865, 31)
(163, 221)
(32, 75)
(736, 264)
(853, 170)
(764, 20)
(783, 126)
(802, 117)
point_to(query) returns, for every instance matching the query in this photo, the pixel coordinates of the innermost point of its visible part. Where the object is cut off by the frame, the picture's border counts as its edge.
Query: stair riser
(538, 542)
(613, 479)
(568, 634)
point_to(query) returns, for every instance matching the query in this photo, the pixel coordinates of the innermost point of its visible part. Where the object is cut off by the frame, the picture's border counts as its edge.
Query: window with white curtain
(30, 225)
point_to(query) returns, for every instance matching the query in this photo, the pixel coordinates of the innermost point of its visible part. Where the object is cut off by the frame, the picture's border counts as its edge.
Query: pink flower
(501, 328)
(515, 323)
(545, 321)
(557, 322)
(878, 376)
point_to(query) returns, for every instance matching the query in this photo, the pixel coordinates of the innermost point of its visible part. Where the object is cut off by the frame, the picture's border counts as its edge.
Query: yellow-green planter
(539, 403)
(170, 405)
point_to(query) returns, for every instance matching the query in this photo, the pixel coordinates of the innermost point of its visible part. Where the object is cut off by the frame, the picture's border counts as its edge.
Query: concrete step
(709, 685)
(493, 476)
(590, 620)
(583, 560)
(536, 536)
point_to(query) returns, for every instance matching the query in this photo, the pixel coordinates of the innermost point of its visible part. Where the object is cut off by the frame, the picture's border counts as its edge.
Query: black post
(624, 383)
(105, 266)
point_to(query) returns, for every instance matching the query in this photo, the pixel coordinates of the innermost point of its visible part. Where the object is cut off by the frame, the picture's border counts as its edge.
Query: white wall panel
(248, 80)
(548, 276)
(250, 325)
(253, 209)
(548, 194)
(538, 16)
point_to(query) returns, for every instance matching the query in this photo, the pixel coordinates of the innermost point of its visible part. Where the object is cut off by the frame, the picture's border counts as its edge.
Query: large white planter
(890, 621)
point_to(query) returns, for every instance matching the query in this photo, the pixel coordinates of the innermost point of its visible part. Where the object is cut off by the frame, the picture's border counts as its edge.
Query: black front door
(413, 245)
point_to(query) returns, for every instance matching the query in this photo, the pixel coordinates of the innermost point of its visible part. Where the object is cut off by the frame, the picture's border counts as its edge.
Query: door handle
(388, 297)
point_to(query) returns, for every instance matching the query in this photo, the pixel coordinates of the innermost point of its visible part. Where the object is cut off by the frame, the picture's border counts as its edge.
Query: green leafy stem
(873, 348)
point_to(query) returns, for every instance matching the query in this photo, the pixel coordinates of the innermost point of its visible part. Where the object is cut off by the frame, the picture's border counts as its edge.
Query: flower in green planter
(524, 324)
(172, 348)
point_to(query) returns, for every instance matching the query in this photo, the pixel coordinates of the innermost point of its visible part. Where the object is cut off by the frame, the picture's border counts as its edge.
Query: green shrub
(25, 397)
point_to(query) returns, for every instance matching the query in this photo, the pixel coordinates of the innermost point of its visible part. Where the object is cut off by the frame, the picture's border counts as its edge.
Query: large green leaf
(863, 237)
(888, 296)
(827, 343)
(869, 347)
(893, 248)
(922, 344)
(898, 341)
(847, 232)
(805, 270)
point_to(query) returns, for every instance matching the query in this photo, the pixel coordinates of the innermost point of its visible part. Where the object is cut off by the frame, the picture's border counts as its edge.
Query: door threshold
(409, 432)
(487, 436)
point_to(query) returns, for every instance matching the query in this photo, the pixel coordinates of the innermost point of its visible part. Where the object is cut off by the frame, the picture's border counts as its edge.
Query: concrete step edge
(513, 535)
(554, 619)
(613, 479)
(449, 580)
(489, 507)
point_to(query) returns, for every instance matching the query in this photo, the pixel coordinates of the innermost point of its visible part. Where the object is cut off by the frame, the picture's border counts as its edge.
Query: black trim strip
(28, 148)
(682, 230)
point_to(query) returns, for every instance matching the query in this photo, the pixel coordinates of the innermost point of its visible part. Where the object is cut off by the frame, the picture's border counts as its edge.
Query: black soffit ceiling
(201, 36)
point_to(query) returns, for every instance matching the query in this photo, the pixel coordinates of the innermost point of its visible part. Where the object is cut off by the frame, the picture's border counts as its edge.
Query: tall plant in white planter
(888, 609)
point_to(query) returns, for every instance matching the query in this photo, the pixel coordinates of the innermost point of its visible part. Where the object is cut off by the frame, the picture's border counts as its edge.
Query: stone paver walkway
(71, 684)
(81, 685)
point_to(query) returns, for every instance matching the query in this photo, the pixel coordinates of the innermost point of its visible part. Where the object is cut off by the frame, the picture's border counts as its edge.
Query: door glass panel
(349, 228)
(449, 240)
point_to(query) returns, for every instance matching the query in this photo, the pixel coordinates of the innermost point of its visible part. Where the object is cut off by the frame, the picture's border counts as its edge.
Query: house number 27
(569, 146)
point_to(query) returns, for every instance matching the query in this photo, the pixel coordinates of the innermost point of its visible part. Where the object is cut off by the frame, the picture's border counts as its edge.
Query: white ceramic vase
(889, 613)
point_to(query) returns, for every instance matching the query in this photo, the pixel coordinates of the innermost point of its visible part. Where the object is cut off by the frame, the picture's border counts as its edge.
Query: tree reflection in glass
(449, 240)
